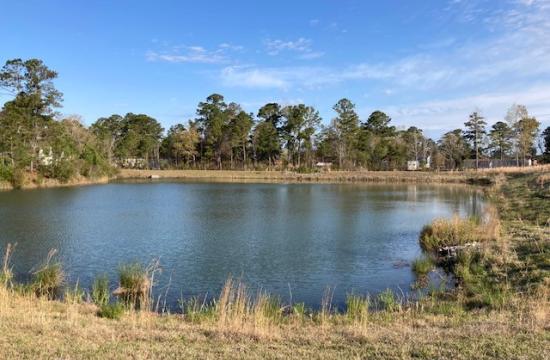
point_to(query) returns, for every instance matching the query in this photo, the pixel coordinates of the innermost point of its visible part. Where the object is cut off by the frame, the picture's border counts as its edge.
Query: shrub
(422, 266)
(100, 290)
(6, 172)
(18, 178)
(111, 311)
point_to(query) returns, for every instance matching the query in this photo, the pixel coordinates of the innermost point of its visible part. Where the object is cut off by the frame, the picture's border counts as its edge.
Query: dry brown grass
(288, 176)
(460, 231)
(513, 170)
(34, 328)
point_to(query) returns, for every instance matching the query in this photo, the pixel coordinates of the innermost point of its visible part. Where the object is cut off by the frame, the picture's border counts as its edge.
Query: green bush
(6, 172)
(111, 311)
(18, 178)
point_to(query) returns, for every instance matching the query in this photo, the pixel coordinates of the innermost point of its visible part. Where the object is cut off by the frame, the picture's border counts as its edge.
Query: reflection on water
(284, 238)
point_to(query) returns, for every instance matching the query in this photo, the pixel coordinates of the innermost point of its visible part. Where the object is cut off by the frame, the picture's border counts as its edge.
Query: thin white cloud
(314, 22)
(193, 54)
(302, 46)
(515, 56)
(274, 47)
(278, 78)
(252, 78)
(443, 114)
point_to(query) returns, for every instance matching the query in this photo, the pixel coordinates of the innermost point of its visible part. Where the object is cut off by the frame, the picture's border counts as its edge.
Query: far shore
(481, 177)
(289, 176)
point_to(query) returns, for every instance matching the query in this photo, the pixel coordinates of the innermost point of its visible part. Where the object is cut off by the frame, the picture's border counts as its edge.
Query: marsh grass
(112, 311)
(100, 293)
(196, 309)
(238, 309)
(136, 284)
(460, 231)
(75, 295)
(357, 308)
(49, 278)
(6, 272)
(388, 301)
(422, 266)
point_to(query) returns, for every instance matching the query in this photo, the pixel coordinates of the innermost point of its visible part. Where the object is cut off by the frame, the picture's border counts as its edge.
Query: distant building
(45, 159)
(324, 165)
(133, 163)
(413, 165)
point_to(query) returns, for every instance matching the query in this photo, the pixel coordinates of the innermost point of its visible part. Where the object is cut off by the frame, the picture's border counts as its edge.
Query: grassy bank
(498, 311)
(321, 177)
(34, 182)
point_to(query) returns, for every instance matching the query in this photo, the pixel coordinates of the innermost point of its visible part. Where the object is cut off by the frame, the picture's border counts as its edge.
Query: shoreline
(484, 177)
(293, 177)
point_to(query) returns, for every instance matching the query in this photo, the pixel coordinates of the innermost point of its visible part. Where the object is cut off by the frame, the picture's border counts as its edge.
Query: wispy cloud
(302, 46)
(517, 54)
(278, 78)
(193, 54)
(439, 114)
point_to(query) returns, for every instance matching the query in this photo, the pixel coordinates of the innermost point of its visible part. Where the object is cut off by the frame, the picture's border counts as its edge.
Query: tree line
(36, 139)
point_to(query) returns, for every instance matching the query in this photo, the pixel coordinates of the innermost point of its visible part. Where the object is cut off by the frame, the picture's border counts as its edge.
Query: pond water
(292, 240)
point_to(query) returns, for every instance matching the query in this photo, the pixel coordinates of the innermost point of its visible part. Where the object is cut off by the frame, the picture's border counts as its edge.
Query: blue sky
(424, 62)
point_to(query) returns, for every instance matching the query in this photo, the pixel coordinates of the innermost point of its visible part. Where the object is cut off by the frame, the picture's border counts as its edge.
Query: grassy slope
(34, 328)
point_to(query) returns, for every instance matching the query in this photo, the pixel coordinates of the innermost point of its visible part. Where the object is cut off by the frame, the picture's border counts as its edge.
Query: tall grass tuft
(422, 266)
(388, 301)
(357, 308)
(134, 286)
(111, 311)
(196, 309)
(233, 305)
(6, 273)
(100, 290)
(236, 309)
(74, 295)
(458, 231)
(48, 280)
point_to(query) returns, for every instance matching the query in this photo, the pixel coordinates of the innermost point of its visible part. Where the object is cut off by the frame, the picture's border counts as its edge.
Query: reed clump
(100, 290)
(49, 279)
(422, 266)
(357, 308)
(236, 309)
(6, 272)
(135, 285)
(457, 231)
(388, 301)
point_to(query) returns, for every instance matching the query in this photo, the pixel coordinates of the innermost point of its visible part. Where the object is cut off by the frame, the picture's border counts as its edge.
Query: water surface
(293, 240)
